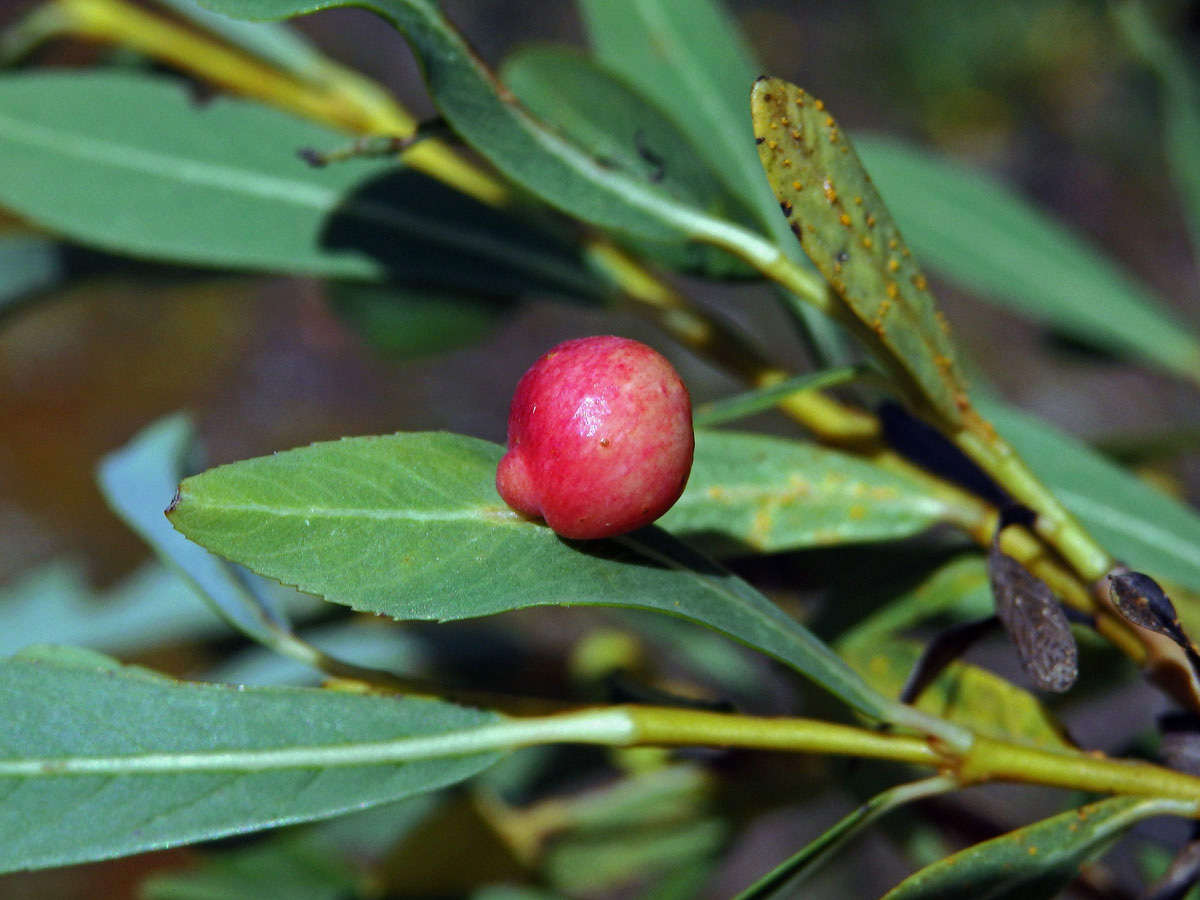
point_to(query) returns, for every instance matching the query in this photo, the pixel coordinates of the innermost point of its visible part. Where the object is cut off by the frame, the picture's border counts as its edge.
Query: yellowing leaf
(840, 220)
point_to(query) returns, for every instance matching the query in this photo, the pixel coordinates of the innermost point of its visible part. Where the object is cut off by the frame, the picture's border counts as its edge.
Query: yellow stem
(335, 97)
(985, 760)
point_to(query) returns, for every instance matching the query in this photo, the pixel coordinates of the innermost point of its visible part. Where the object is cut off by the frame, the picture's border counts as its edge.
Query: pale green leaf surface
(782, 881)
(977, 233)
(1035, 862)
(1141, 526)
(606, 860)
(411, 526)
(688, 57)
(1180, 102)
(68, 704)
(619, 127)
(484, 115)
(55, 604)
(139, 480)
(837, 215)
(129, 163)
(647, 823)
(771, 494)
(964, 693)
(373, 644)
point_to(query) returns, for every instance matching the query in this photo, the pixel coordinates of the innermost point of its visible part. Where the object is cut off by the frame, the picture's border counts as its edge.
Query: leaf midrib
(496, 513)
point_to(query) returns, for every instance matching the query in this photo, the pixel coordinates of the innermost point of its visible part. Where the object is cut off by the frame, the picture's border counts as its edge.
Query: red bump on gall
(600, 438)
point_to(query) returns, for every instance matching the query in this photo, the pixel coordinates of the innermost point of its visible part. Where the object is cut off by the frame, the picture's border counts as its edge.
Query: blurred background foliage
(1044, 93)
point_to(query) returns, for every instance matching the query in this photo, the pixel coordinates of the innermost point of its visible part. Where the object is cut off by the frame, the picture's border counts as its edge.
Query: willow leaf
(487, 117)
(1035, 862)
(978, 233)
(172, 760)
(411, 526)
(841, 222)
(129, 163)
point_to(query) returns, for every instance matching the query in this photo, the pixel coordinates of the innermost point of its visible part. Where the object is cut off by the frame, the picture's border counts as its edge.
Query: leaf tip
(174, 504)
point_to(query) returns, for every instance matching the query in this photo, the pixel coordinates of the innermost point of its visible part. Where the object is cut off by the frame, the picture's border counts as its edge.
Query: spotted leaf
(840, 220)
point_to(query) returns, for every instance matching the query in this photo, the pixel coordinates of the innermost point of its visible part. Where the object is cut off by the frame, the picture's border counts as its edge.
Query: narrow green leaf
(528, 152)
(770, 494)
(368, 643)
(640, 827)
(55, 604)
(606, 860)
(62, 707)
(1180, 103)
(131, 164)
(782, 881)
(761, 399)
(688, 57)
(619, 127)
(840, 220)
(963, 693)
(1141, 526)
(979, 234)
(138, 481)
(1035, 862)
(410, 526)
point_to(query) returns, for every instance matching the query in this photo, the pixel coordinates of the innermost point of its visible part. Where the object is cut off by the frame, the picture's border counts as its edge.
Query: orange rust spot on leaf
(858, 201)
(795, 135)
(919, 282)
(844, 218)
(819, 104)
(830, 192)
(867, 242)
(797, 186)
(893, 264)
(892, 291)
